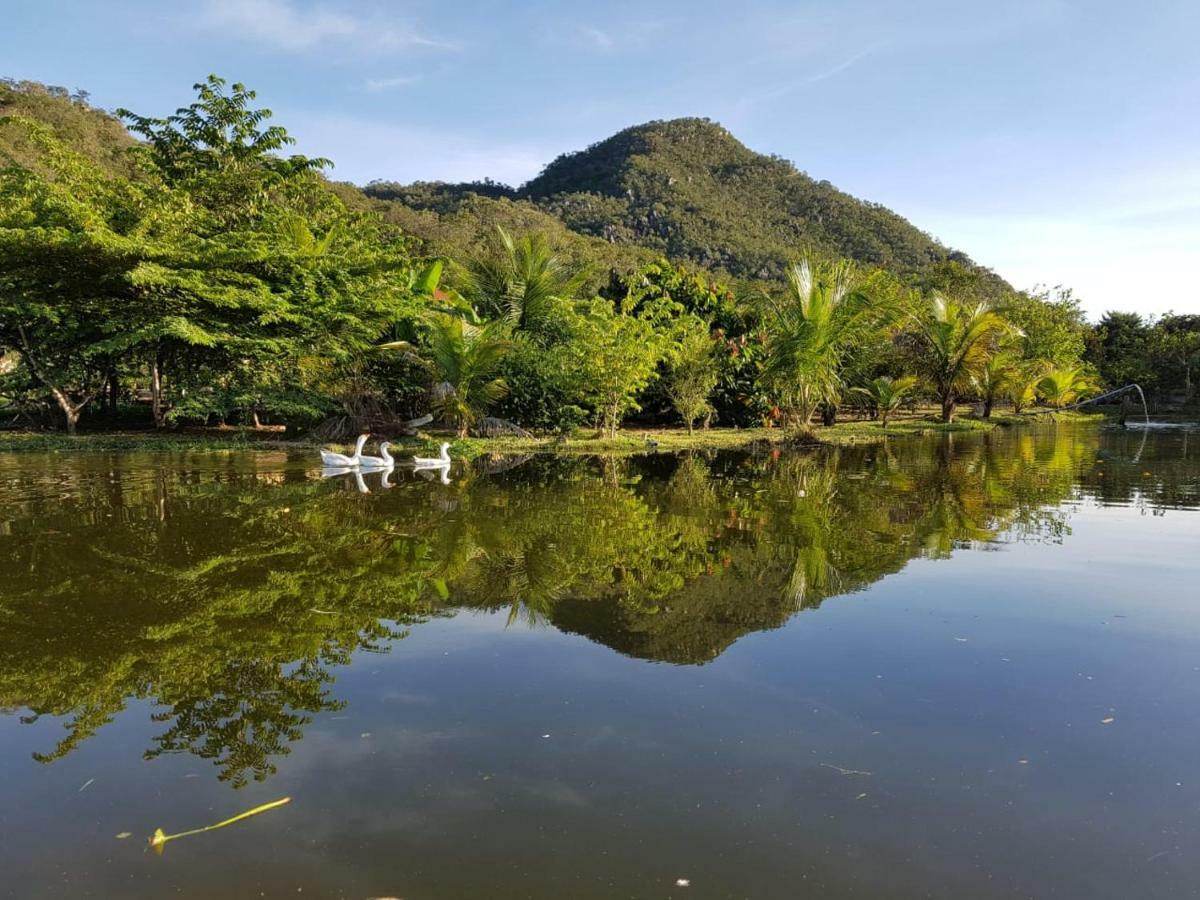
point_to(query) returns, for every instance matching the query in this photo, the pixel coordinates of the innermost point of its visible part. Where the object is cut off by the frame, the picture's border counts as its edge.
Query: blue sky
(1057, 142)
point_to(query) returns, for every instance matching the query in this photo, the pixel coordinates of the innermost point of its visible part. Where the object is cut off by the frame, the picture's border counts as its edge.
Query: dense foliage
(203, 272)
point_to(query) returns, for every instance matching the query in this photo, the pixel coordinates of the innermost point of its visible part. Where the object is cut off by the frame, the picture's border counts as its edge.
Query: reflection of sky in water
(479, 757)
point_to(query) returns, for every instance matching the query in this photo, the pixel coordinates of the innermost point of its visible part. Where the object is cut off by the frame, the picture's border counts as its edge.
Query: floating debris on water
(1108, 720)
(842, 771)
(158, 841)
(683, 882)
(124, 834)
(83, 787)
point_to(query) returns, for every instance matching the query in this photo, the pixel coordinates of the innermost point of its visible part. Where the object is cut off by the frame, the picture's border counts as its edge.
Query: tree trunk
(111, 397)
(157, 406)
(689, 424)
(987, 407)
(70, 410)
(948, 403)
(829, 414)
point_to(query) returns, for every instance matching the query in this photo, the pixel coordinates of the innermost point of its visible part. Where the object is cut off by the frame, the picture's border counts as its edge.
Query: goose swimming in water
(382, 461)
(437, 462)
(332, 460)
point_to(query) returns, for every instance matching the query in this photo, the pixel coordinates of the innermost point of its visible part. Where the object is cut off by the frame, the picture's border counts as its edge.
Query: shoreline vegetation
(186, 273)
(627, 441)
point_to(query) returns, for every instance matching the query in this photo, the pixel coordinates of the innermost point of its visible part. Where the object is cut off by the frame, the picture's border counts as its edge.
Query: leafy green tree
(218, 150)
(612, 357)
(811, 327)
(886, 394)
(1052, 325)
(1174, 350)
(693, 371)
(1120, 351)
(953, 341)
(72, 238)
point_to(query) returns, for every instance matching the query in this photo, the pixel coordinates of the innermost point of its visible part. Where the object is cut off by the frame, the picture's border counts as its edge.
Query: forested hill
(684, 188)
(689, 189)
(99, 136)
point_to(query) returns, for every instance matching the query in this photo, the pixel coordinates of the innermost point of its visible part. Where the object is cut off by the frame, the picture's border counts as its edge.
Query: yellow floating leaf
(159, 840)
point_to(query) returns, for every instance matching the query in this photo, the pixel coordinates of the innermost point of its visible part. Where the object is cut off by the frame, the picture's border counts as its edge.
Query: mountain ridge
(690, 190)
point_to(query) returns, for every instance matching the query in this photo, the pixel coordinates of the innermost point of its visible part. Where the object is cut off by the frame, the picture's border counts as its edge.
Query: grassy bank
(627, 441)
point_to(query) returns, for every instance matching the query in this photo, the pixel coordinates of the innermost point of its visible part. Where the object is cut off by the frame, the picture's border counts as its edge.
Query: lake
(941, 667)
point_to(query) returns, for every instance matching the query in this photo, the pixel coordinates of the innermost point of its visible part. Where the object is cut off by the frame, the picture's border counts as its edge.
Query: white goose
(382, 461)
(438, 462)
(332, 460)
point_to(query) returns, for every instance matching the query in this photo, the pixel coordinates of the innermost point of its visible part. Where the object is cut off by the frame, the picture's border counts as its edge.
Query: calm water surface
(945, 668)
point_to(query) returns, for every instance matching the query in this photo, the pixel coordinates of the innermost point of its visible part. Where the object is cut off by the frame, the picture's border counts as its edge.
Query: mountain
(689, 189)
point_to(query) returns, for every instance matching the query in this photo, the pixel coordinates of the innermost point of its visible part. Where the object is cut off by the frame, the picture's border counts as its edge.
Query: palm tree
(464, 359)
(1022, 388)
(956, 340)
(809, 329)
(994, 379)
(1062, 385)
(522, 283)
(886, 394)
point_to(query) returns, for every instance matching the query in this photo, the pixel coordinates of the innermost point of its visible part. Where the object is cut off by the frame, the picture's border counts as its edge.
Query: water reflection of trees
(228, 596)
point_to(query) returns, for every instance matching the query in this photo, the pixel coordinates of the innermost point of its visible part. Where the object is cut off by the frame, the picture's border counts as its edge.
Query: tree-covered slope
(689, 189)
(684, 188)
(460, 221)
(99, 136)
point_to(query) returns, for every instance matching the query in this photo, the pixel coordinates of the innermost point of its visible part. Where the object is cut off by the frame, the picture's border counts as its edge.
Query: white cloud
(621, 36)
(386, 84)
(596, 37)
(787, 86)
(290, 26)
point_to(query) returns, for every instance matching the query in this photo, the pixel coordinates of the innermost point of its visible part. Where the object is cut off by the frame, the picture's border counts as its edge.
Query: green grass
(121, 441)
(627, 441)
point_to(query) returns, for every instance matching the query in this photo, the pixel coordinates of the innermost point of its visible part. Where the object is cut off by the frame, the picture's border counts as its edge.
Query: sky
(1056, 142)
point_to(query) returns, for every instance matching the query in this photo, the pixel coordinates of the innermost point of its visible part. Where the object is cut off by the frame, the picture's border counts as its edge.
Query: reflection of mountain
(228, 595)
